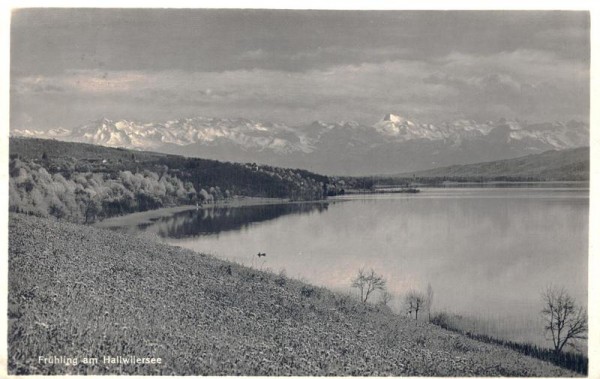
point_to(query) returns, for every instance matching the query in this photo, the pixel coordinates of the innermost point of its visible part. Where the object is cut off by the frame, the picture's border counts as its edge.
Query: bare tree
(368, 283)
(386, 297)
(415, 301)
(566, 322)
(429, 301)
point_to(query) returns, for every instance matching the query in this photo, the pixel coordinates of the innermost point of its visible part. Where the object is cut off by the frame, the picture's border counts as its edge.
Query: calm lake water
(487, 252)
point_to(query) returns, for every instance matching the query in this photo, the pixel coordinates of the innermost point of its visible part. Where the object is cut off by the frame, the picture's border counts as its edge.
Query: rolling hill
(565, 165)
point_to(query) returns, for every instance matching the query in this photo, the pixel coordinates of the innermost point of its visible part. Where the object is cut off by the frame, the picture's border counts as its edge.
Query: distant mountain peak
(394, 118)
(344, 147)
(393, 125)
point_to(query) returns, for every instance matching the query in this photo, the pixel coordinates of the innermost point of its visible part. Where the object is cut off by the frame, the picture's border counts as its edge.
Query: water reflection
(487, 252)
(213, 221)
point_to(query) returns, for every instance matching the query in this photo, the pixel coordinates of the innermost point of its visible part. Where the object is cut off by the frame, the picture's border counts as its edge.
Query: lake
(487, 252)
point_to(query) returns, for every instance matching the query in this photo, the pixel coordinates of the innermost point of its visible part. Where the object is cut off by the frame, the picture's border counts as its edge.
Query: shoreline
(515, 183)
(206, 316)
(248, 201)
(238, 202)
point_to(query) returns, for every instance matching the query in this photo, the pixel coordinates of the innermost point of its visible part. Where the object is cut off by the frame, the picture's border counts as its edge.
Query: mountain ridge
(393, 144)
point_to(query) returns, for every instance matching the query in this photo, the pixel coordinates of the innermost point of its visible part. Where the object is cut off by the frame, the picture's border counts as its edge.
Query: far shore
(240, 201)
(439, 183)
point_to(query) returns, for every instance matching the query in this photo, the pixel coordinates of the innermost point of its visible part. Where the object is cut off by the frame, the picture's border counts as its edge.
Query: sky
(72, 66)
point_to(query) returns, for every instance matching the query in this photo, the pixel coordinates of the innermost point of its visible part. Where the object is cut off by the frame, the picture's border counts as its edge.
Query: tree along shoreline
(88, 194)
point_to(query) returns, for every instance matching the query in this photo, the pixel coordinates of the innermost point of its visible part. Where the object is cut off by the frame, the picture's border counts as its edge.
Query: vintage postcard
(298, 192)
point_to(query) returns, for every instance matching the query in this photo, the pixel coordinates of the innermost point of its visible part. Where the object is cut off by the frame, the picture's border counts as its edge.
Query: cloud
(84, 82)
(96, 82)
(253, 54)
(528, 84)
(532, 65)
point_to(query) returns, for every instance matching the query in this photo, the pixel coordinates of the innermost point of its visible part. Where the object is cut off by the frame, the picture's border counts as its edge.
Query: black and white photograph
(257, 191)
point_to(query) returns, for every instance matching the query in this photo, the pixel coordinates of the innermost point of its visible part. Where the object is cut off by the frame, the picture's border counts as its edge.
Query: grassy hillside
(572, 164)
(77, 291)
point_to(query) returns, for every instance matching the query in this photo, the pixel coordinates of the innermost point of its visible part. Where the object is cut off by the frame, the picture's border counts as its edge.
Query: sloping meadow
(78, 292)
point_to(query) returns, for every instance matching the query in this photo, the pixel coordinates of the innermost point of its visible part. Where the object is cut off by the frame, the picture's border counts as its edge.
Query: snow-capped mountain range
(393, 144)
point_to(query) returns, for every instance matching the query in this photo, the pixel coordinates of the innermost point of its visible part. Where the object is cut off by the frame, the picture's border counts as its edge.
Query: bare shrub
(367, 283)
(415, 301)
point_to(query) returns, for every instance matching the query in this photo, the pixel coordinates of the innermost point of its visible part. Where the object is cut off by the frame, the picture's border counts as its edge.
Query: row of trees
(55, 186)
(564, 321)
(84, 196)
(292, 183)
(228, 178)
